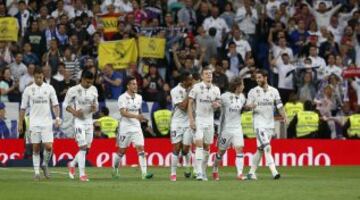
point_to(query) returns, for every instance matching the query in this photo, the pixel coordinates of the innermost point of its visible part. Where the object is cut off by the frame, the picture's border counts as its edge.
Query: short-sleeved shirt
(180, 117)
(263, 113)
(79, 97)
(231, 106)
(115, 90)
(38, 99)
(203, 96)
(132, 104)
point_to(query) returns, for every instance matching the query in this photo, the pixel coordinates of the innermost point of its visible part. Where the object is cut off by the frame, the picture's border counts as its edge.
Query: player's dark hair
(86, 74)
(234, 83)
(105, 111)
(205, 69)
(184, 75)
(129, 79)
(38, 70)
(263, 72)
(196, 76)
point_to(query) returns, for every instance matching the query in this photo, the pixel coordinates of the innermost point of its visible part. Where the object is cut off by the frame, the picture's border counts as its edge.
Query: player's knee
(267, 148)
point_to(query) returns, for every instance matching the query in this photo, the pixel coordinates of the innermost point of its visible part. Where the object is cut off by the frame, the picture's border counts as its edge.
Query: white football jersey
(263, 114)
(133, 106)
(81, 98)
(231, 106)
(180, 117)
(204, 96)
(39, 100)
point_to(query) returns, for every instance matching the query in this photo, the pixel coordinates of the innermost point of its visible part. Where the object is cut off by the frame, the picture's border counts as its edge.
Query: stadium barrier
(287, 152)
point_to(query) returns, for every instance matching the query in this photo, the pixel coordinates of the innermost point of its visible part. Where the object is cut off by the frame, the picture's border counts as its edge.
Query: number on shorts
(122, 138)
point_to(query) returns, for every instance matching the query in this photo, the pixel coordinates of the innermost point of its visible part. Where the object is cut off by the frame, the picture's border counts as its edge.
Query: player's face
(86, 82)
(261, 80)
(132, 86)
(38, 79)
(188, 82)
(207, 76)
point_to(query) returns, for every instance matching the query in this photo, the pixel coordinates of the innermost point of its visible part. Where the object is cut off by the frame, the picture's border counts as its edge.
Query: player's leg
(122, 142)
(35, 140)
(186, 151)
(258, 154)
(199, 151)
(208, 140)
(138, 140)
(84, 150)
(238, 143)
(176, 137)
(224, 142)
(268, 156)
(47, 137)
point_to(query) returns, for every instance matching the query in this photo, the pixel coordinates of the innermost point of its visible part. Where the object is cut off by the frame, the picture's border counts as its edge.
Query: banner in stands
(118, 53)
(150, 47)
(9, 29)
(286, 152)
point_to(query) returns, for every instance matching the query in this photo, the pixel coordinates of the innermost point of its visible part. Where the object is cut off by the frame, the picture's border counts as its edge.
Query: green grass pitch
(296, 183)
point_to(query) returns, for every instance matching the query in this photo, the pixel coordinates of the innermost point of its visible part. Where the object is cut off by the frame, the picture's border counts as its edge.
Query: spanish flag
(9, 29)
(151, 47)
(118, 53)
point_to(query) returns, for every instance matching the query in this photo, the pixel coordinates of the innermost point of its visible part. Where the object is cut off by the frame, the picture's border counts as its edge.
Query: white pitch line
(29, 170)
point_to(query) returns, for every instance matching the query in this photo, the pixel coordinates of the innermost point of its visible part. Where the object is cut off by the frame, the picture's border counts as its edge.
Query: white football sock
(47, 156)
(239, 162)
(199, 156)
(75, 161)
(187, 161)
(270, 160)
(174, 163)
(142, 162)
(117, 160)
(217, 162)
(205, 161)
(36, 162)
(255, 161)
(82, 162)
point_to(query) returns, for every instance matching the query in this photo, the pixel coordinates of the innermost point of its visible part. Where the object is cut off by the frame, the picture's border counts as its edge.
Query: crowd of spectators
(305, 45)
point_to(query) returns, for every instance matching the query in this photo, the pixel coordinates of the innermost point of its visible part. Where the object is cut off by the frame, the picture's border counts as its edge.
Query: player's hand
(192, 125)
(20, 129)
(58, 122)
(93, 107)
(252, 106)
(78, 113)
(215, 104)
(141, 118)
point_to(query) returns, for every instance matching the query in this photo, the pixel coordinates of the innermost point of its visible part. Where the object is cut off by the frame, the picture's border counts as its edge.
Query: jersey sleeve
(176, 97)
(96, 95)
(53, 97)
(69, 98)
(251, 98)
(193, 92)
(121, 102)
(25, 99)
(217, 94)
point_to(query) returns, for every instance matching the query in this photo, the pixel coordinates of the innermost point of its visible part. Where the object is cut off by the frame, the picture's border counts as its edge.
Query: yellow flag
(150, 47)
(110, 24)
(118, 53)
(9, 29)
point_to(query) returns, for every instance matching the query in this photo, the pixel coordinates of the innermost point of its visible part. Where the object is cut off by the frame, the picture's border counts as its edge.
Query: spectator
(187, 15)
(36, 38)
(17, 68)
(59, 76)
(325, 105)
(81, 33)
(219, 78)
(229, 74)
(72, 64)
(64, 85)
(307, 90)
(247, 73)
(235, 59)
(53, 56)
(331, 67)
(242, 45)
(50, 31)
(108, 125)
(7, 85)
(5, 54)
(4, 130)
(27, 79)
(202, 13)
(152, 84)
(29, 56)
(317, 61)
(48, 77)
(23, 17)
(322, 15)
(298, 37)
(228, 15)
(63, 10)
(206, 42)
(247, 19)
(133, 71)
(61, 36)
(113, 82)
(329, 46)
(218, 23)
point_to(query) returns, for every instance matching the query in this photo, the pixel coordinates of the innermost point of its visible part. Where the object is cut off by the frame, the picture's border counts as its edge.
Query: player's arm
(280, 106)
(24, 105)
(95, 103)
(69, 100)
(190, 111)
(55, 106)
(250, 103)
(216, 104)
